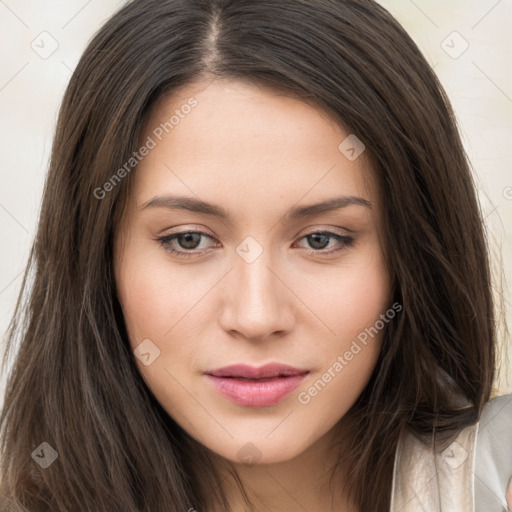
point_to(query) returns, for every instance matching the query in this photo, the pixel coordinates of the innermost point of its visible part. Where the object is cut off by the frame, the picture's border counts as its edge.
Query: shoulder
(471, 474)
(493, 456)
(428, 476)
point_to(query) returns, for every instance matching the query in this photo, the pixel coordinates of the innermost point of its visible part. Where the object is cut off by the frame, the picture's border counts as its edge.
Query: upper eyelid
(314, 229)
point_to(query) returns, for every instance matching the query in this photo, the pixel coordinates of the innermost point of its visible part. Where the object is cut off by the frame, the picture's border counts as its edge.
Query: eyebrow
(197, 205)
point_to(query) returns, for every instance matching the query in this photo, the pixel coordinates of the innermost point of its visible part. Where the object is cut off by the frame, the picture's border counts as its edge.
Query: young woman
(260, 279)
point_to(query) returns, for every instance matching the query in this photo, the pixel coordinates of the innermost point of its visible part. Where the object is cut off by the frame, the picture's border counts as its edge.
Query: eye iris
(191, 240)
(316, 237)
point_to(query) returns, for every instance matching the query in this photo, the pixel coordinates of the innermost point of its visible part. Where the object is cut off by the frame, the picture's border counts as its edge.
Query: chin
(257, 450)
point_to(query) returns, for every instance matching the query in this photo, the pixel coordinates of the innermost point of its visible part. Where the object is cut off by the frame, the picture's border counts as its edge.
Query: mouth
(256, 387)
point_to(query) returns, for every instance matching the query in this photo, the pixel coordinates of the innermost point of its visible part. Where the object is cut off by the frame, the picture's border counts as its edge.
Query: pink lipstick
(256, 387)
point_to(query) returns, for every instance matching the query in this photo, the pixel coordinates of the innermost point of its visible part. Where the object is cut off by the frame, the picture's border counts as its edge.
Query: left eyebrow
(199, 206)
(330, 204)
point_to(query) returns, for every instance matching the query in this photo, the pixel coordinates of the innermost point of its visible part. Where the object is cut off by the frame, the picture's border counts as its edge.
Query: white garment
(470, 475)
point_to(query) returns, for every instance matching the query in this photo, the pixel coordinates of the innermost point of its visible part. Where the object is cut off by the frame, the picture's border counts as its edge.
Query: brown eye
(180, 243)
(319, 240)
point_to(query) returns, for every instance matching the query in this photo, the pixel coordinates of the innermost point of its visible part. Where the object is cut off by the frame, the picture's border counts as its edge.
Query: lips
(270, 370)
(256, 387)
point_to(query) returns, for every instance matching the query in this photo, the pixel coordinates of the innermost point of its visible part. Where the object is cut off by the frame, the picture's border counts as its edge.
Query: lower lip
(254, 393)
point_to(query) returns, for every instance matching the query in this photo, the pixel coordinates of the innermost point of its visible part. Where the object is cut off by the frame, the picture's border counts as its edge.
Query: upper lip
(251, 372)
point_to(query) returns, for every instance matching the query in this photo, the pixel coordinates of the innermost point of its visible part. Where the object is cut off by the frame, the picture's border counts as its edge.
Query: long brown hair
(74, 384)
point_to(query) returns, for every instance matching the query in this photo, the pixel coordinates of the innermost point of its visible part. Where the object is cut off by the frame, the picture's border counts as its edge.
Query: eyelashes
(167, 242)
(185, 239)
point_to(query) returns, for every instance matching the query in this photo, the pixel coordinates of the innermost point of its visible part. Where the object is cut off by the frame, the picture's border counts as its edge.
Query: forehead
(247, 147)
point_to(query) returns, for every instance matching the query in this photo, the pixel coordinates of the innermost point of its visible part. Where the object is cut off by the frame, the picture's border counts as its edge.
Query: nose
(258, 302)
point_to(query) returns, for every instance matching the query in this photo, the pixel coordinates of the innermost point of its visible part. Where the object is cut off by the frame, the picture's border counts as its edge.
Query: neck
(302, 483)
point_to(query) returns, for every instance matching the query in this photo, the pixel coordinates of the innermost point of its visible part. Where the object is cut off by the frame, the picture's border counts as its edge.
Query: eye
(319, 240)
(186, 241)
(183, 243)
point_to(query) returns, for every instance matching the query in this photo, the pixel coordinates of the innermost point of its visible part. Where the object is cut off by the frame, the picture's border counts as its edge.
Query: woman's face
(274, 280)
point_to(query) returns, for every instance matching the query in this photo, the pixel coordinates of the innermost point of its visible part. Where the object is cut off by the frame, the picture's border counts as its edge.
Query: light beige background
(478, 80)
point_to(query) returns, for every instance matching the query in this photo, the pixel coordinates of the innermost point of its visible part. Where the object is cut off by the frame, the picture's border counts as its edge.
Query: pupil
(324, 240)
(191, 240)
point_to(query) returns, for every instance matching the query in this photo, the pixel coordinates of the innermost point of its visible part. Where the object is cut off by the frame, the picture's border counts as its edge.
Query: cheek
(155, 296)
(358, 311)
(158, 304)
(354, 299)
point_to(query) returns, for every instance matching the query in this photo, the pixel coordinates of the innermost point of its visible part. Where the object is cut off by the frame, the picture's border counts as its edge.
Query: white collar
(424, 480)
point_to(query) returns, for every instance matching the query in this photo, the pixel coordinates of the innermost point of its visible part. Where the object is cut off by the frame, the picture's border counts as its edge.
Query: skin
(257, 154)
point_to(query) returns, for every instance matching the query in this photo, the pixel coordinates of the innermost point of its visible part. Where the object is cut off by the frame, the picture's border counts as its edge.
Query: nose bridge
(257, 283)
(258, 302)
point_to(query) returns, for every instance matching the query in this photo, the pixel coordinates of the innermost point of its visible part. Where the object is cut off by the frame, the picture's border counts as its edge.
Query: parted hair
(74, 383)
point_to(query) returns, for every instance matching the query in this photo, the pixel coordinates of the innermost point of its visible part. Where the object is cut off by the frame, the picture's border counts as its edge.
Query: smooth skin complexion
(257, 155)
